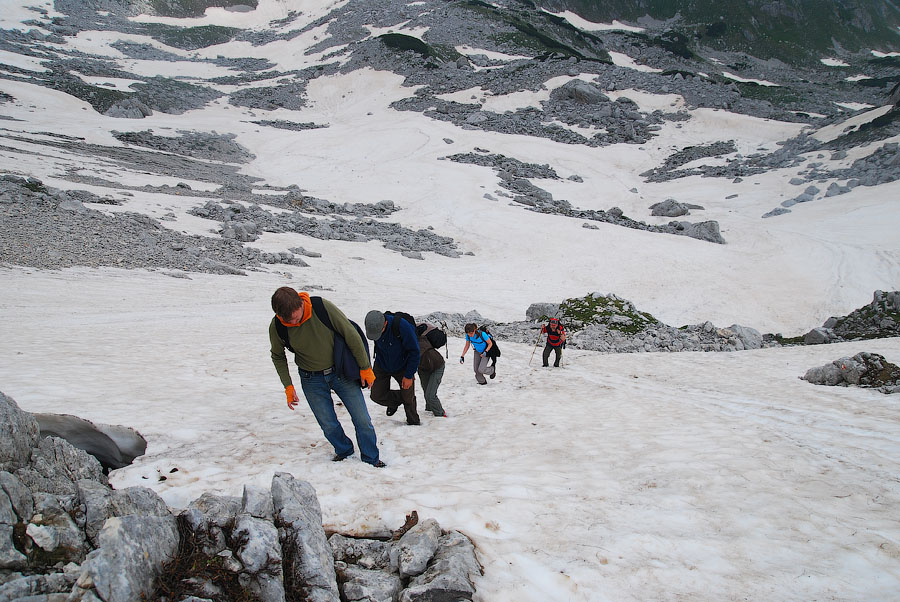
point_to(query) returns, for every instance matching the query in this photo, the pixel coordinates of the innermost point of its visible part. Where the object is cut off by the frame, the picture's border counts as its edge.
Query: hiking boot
(493, 375)
(440, 414)
(338, 457)
(391, 410)
(379, 464)
(413, 422)
(545, 366)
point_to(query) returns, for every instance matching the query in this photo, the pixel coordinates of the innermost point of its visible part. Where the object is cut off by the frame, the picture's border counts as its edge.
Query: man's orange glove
(367, 377)
(291, 395)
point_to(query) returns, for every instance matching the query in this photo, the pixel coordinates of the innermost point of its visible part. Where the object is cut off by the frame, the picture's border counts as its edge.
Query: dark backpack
(345, 363)
(395, 325)
(436, 337)
(494, 351)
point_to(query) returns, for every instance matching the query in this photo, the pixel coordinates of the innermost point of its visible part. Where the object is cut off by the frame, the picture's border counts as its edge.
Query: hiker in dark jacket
(313, 345)
(431, 371)
(397, 357)
(481, 343)
(556, 340)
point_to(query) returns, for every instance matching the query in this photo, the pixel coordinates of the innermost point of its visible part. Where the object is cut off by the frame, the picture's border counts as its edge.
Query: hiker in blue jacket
(481, 342)
(397, 357)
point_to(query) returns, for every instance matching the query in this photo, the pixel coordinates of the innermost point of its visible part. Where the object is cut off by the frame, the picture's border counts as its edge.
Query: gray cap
(374, 324)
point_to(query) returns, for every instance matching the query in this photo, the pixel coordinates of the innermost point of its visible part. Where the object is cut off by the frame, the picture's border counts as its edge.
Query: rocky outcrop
(515, 177)
(66, 535)
(610, 324)
(424, 564)
(878, 319)
(864, 369)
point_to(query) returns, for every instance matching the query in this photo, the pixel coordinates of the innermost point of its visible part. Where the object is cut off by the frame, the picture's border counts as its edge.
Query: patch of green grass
(190, 38)
(777, 95)
(789, 340)
(101, 99)
(879, 82)
(35, 186)
(400, 41)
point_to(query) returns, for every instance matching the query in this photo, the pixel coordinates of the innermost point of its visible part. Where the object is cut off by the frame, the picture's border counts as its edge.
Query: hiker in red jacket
(556, 340)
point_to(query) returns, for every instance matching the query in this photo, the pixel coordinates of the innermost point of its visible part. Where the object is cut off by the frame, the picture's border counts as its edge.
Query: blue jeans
(317, 390)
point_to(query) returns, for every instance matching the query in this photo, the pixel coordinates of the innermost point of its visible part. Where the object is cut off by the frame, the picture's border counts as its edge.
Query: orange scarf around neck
(307, 311)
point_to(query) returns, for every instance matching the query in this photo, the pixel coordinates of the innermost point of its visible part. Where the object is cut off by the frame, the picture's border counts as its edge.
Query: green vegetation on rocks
(611, 311)
(191, 38)
(101, 99)
(543, 33)
(795, 31)
(401, 41)
(193, 8)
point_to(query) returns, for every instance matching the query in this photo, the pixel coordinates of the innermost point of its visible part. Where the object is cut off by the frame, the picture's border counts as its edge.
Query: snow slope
(631, 477)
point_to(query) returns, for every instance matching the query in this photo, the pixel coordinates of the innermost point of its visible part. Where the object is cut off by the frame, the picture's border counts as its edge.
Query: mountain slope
(794, 31)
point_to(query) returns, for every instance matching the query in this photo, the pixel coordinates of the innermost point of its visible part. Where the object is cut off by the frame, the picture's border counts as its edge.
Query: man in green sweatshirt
(312, 342)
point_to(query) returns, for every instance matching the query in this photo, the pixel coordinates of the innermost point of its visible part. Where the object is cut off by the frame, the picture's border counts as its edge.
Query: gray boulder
(129, 108)
(299, 517)
(133, 551)
(367, 553)
(257, 502)
(708, 230)
(10, 557)
(416, 548)
(56, 465)
(669, 208)
(869, 370)
(19, 434)
(240, 230)
(451, 574)
(365, 585)
(38, 588)
(580, 92)
(19, 496)
(537, 311)
(259, 550)
(749, 337)
(820, 336)
(208, 519)
(99, 502)
(52, 534)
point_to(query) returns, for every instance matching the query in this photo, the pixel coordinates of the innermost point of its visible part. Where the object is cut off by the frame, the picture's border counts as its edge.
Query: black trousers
(383, 395)
(547, 348)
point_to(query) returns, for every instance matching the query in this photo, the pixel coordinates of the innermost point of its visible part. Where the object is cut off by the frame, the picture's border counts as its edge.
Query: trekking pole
(540, 336)
(446, 346)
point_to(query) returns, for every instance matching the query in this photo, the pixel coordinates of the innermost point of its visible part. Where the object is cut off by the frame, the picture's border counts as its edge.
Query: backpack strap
(321, 312)
(395, 325)
(282, 331)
